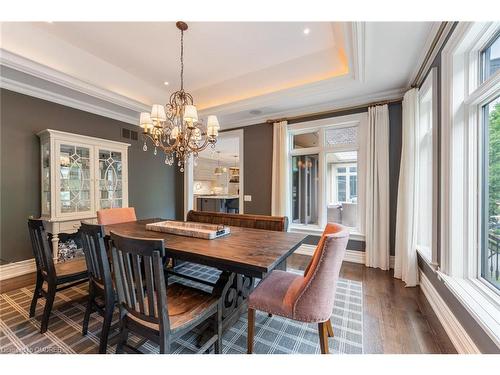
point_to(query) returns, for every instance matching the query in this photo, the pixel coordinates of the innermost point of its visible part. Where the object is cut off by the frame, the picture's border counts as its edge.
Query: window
(490, 59)
(469, 170)
(425, 182)
(305, 140)
(490, 166)
(342, 187)
(324, 173)
(305, 189)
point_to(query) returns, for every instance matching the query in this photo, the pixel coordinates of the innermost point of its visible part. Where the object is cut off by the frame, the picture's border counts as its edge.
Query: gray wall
(258, 167)
(153, 189)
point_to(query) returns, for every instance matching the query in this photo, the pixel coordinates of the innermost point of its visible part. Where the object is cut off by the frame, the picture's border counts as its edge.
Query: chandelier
(175, 128)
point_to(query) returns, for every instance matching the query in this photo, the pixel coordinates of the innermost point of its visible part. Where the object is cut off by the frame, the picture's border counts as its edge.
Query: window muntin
(490, 59)
(490, 200)
(304, 194)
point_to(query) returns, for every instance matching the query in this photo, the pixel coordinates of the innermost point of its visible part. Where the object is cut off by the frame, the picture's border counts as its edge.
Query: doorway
(214, 182)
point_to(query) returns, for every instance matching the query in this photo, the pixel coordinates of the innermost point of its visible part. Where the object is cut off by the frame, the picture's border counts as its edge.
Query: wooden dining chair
(109, 216)
(50, 278)
(148, 307)
(102, 296)
(305, 298)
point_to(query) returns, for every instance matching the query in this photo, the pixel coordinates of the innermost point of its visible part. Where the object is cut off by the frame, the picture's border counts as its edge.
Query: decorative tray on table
(190, 229)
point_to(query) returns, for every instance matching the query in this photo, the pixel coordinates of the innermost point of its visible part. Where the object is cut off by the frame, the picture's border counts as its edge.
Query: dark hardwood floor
(396, 319)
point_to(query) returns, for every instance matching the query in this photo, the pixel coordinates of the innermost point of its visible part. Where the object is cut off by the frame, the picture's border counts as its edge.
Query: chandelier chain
(182, 60)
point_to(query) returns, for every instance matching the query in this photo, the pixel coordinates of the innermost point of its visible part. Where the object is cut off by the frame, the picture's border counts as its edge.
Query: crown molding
(435, 41)
(355, 39)
(65, 100)
(332, 105)
(33, 68)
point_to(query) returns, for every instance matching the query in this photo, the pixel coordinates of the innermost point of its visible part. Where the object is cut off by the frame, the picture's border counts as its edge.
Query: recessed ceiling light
(165, 83)
(307, 31)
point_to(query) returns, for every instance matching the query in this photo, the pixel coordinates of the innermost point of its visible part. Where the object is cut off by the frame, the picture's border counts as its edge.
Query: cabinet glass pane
(46, 178)
(110, 179)
(74, 166)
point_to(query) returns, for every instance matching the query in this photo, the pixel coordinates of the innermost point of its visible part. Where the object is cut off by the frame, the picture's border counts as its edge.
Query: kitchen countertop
(217, 196)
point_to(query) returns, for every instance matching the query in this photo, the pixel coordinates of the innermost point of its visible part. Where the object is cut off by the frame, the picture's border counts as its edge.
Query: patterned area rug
(20, 334)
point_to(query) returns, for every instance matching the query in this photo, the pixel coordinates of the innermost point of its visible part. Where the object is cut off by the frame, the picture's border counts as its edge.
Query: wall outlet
(247, 198)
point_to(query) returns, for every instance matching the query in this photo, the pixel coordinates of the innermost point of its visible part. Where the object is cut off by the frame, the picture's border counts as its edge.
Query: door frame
(189, 172)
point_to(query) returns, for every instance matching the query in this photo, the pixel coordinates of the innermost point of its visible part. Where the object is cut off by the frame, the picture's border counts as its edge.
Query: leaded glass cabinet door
(110, 184)
(74, 183)
(46, 177)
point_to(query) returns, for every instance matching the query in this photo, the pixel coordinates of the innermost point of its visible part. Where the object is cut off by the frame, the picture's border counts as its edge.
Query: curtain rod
(333, 111)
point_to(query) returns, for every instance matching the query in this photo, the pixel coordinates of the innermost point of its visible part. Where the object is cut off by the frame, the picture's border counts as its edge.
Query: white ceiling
(243, 72)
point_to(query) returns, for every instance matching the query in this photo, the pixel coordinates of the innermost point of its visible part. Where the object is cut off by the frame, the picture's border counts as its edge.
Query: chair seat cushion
(185, 304)
(269, 296)
(71, 267)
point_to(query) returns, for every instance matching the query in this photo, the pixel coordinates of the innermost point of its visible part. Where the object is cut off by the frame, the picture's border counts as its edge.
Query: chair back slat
(148, 271)
(94, 249)
(140, 279)
(41, 248)
(136, 263)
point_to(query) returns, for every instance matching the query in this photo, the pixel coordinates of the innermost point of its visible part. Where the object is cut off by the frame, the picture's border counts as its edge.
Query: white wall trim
(10, 270)
(418, 74)
(457, 334)
(46, 73)
(356, 44)
(328, 106)
(54, 97)
(352, 256)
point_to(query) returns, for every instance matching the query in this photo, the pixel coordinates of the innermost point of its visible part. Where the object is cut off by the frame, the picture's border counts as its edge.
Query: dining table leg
(234, 290)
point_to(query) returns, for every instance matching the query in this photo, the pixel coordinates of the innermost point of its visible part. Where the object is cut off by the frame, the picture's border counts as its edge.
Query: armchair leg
(329, 328)
(250, 332)
(323, 337)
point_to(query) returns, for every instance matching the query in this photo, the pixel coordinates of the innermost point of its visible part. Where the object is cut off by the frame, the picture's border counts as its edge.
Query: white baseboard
(352, 256)
(457, 334)
(10, 270)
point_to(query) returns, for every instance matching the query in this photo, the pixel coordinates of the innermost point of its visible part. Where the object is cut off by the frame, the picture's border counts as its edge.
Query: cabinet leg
(55, 246)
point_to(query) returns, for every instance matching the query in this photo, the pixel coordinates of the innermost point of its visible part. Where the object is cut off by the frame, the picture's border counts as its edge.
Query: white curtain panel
(377, 188)
(405, 263)
(280, 169)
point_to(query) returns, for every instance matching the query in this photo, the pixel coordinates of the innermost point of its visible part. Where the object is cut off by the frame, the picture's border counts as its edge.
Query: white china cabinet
(79, 175)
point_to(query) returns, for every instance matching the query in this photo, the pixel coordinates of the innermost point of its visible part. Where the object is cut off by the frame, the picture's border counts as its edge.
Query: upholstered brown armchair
(308, 298)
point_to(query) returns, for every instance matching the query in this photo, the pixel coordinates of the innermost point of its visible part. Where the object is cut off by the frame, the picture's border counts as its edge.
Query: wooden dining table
(243, 255)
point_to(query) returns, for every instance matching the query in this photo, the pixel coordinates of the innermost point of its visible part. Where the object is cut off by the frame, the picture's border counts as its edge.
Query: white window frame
(335, 174)
(431, 83)
(358, 120)
(463, 96)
